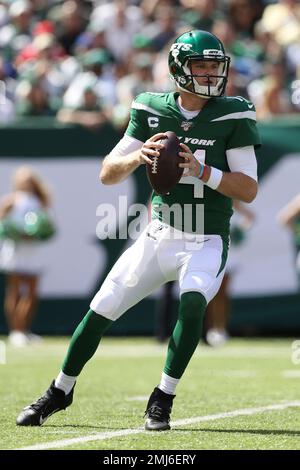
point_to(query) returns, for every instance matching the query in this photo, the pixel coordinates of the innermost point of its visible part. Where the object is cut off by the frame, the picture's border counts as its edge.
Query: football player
(218, 138)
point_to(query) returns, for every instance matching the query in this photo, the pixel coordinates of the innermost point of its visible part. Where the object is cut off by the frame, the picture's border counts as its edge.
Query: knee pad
(108, 300)
(192, 306)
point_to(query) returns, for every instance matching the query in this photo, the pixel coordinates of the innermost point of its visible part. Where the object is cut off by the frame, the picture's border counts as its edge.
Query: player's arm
(237, 185)
(127, 156)
(290, 212)
(240, 183)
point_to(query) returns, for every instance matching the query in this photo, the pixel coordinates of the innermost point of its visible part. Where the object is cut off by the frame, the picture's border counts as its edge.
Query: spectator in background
(120, 22)
(7, 107)
(243, 14)
(40, 8)
(289, 217)
(92, 38)
(59, 34)
(139, 80)
(71, 25)
(236, 83)
(47, 64)
(15, 35)
(161, 75)
(271, 94)
(97, 73)
(218, 310)
(163, 29)
(33, 99)
(20, 259)
(270, 47)
(148, 7)
(89, 114)
(282, 20)
(236, 30)
(42, 59)
(4, 17)
(239, 73)
(224, 29)
(200, 14)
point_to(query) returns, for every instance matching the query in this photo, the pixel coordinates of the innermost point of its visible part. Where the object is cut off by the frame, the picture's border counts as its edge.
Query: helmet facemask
(211, 89)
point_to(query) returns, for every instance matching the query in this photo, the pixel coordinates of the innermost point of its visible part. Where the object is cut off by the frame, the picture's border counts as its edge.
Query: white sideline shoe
(216, 338)
(18, 339)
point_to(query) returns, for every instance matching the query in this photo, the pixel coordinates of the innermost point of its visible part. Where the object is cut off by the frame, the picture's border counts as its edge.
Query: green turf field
(245, 395)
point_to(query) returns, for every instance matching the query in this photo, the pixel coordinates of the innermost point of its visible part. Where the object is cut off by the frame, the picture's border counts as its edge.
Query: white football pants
(159, 255)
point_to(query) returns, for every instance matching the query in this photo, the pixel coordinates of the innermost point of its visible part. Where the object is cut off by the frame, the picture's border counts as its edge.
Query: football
(164, 173)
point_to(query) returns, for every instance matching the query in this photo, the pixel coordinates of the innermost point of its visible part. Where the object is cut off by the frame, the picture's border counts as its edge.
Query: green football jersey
(224, 123)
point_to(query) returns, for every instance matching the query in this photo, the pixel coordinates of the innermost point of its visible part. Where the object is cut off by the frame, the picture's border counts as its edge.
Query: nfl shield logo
(186, 125)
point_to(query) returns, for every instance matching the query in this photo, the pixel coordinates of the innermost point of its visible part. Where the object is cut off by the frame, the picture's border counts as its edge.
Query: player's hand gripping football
(151, 148)
(191, 165)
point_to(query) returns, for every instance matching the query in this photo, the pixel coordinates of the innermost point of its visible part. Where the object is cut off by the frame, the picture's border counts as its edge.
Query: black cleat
(158, 411)
(38, 412)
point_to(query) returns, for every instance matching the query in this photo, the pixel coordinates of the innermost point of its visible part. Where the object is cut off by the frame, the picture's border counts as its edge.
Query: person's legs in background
(164, 313)
(217, 316)
(20, 304)
(28, 305)
(11, 299)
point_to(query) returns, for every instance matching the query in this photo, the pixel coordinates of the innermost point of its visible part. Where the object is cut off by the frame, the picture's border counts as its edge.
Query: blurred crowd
(84, 61)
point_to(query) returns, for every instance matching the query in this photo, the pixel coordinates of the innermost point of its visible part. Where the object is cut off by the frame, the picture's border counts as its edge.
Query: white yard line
(138, 398)
(182, 422)
(239, 374)
(291, 374)
(124, 351)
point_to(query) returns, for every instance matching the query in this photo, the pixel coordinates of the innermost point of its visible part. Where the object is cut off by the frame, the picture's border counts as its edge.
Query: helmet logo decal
(213, 52)
(177, 47)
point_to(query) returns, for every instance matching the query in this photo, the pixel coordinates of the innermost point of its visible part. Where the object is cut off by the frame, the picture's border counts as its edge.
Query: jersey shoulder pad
(233, 107)
(150, 102)
(236, 104)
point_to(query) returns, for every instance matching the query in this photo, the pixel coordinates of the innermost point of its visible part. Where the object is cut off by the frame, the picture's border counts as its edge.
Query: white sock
(168, 384)
(65, 382)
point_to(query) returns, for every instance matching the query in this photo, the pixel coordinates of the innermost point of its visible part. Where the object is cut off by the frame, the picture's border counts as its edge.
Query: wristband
(202, 167)
(204, 172)
(215, 178)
